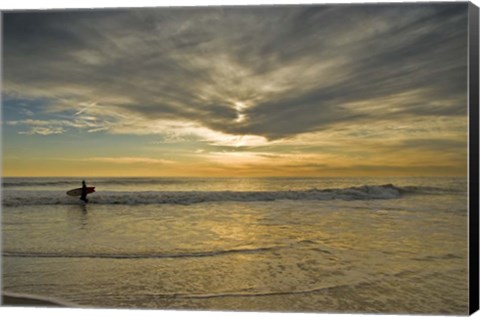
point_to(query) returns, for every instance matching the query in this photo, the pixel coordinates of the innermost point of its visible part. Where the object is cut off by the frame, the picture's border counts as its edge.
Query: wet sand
(23, 301)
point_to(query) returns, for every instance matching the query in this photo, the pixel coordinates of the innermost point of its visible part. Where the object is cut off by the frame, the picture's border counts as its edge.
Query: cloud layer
(272, 77)
(294, 69)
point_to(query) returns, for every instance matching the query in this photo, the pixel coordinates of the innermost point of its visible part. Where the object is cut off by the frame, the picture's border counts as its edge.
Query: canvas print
(293, 158)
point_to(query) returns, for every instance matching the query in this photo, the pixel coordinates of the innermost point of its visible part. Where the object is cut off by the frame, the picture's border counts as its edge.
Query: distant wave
(35, 183)
(198, 254)
(366, 192)
(48, 182)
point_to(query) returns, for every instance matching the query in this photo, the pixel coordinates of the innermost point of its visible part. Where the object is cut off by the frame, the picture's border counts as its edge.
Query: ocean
(352, 245)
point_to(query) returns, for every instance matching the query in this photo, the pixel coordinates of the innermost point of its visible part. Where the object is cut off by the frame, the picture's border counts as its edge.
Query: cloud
(27, 112)
(47, 127)
(127, 160)
(42, 131)
(293, 70)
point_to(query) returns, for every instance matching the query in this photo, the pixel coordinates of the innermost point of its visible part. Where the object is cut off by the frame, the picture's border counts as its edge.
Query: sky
(319, 90)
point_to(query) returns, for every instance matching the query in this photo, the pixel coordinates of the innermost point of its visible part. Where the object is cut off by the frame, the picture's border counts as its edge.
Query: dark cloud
(436, 144)
(297, 68)
(415, 169)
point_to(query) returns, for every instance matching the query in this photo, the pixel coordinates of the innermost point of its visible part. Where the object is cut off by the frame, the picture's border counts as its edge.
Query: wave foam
(366, 192)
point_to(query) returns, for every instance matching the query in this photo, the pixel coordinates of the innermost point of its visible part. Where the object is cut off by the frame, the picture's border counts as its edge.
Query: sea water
(388, 245)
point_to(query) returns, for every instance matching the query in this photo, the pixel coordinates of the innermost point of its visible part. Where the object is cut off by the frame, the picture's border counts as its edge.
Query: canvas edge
(473, 33)
(473, 108)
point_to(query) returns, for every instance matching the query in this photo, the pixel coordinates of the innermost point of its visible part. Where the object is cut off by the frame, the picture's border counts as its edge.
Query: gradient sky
(325, 90)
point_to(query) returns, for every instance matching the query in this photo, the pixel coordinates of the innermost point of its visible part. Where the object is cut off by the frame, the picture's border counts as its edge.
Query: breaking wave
(366, 192)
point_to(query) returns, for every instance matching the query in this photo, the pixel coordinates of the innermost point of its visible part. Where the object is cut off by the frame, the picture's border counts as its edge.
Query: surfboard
(78, 191)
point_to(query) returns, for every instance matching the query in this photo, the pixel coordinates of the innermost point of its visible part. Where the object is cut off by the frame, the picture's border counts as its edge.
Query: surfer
(84, 192)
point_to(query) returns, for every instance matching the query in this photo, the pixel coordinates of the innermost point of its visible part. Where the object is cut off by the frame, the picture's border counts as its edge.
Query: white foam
(20, 197)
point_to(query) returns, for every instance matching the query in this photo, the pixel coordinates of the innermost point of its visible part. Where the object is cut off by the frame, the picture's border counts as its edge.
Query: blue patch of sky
(16, 109)
(73, 142)
(21, 109)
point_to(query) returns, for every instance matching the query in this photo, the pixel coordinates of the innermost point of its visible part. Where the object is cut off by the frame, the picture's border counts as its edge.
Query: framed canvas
(316, 158)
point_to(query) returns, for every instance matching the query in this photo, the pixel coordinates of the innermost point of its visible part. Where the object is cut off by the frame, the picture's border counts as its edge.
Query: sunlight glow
(240, 107)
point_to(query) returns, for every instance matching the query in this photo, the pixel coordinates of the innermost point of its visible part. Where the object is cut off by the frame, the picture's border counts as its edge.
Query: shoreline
(28, 301)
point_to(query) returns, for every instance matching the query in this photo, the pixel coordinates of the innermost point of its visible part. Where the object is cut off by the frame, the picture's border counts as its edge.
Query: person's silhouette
(84, 192)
